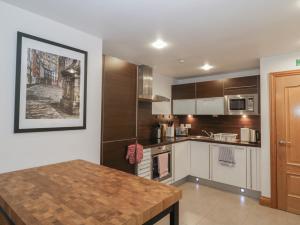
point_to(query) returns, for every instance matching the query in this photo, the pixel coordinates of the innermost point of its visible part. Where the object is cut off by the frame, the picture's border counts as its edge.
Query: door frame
(273, 139)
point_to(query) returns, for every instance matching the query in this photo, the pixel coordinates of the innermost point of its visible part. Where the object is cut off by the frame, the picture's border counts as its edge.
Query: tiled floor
(207, 206)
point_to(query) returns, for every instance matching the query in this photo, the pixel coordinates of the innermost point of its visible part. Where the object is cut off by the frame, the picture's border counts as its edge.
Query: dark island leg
(174, 214)
(4, 219)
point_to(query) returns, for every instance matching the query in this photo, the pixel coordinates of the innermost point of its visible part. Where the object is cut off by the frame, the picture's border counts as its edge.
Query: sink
(202, 137)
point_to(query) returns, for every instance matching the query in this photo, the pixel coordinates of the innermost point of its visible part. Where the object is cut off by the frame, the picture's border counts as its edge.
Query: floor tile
(203, 205)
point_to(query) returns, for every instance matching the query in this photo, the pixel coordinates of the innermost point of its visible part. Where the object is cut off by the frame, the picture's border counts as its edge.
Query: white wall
(218, 76)
(267, 66)
(18, 151)
(162, 86)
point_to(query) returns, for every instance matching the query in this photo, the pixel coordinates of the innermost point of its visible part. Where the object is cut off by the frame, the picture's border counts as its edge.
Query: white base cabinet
(236, 175)
(200, 160)
(181, 162)
(253, 169)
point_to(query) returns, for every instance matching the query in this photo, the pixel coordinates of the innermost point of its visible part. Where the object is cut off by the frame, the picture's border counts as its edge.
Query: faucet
(209, 134)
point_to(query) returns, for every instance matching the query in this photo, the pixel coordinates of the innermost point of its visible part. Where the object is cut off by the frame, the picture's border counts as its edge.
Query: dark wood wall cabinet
(119, 111)
(184, 91)
(217, 88)
(241, 85)
(209, 89)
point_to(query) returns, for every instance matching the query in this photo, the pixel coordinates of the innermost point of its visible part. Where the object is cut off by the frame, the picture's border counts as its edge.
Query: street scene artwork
(50, 86)
(53, 86)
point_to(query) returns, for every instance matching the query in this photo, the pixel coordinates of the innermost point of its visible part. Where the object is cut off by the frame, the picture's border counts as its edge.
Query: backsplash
(147, 122)
(220, 124)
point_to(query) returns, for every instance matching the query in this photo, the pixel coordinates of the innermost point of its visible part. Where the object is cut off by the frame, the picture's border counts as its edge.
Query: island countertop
(81, 193)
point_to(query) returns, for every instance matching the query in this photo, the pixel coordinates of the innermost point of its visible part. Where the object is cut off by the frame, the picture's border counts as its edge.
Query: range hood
(145, 82)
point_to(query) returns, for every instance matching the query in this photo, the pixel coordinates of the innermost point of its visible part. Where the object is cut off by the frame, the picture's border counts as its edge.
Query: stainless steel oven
(246, 104)
(155, 152)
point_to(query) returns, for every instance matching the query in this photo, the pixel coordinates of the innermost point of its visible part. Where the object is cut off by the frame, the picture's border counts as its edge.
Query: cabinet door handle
(283, 142)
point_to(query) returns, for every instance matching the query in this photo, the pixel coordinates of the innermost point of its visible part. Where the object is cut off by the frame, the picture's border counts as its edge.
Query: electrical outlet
(188, 125)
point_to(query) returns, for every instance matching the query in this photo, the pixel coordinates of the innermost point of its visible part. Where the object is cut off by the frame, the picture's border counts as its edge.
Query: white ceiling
(230, 34)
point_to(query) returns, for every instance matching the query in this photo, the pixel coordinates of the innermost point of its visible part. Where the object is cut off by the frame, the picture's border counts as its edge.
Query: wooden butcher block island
(82, 193)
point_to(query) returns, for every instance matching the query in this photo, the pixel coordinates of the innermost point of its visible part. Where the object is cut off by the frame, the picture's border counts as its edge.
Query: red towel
(139, 153)
(135, 153)
(131, 154)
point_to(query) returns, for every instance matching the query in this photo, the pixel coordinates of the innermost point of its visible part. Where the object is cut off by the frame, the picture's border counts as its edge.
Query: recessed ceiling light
(159, 44)
(181, 60)
(206, 67)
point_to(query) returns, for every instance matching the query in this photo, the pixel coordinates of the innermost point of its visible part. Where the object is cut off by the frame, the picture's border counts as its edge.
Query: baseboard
(180, 182)
(265, 201)
(225, 187)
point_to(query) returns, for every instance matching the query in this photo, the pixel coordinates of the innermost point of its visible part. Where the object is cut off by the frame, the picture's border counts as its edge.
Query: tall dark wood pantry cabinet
(119, 112)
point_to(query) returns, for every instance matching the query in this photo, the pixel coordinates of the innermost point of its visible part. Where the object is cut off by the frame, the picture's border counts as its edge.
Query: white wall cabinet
(201, 106)
(253, 169)
(181, 163)
(236, 175)
(184, 107)
(210, 106)
(161, 108)
(200, 160)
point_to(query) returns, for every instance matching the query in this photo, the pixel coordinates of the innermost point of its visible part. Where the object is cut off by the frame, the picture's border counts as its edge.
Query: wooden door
(287, 139)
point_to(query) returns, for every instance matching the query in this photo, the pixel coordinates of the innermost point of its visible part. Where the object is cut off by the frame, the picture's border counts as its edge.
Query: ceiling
(231, 35)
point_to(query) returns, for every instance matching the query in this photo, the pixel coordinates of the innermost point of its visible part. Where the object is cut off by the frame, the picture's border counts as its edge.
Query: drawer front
(144, 168)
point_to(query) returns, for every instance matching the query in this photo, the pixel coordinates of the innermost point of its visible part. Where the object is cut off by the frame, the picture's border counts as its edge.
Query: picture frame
(51, 86)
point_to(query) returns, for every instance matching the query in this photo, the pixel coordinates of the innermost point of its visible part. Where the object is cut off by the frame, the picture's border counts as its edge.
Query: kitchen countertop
(166, 141)
(79, 192)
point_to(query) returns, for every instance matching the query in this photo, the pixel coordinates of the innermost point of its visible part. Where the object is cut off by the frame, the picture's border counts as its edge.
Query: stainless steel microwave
(246, 104)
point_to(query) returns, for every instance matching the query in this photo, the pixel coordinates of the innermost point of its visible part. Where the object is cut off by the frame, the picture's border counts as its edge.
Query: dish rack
(228, 137)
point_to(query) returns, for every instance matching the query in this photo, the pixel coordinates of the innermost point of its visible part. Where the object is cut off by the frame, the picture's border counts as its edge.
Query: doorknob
(282, 142)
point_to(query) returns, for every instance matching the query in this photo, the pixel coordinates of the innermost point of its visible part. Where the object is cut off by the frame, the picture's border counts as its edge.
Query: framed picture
(50, 86)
